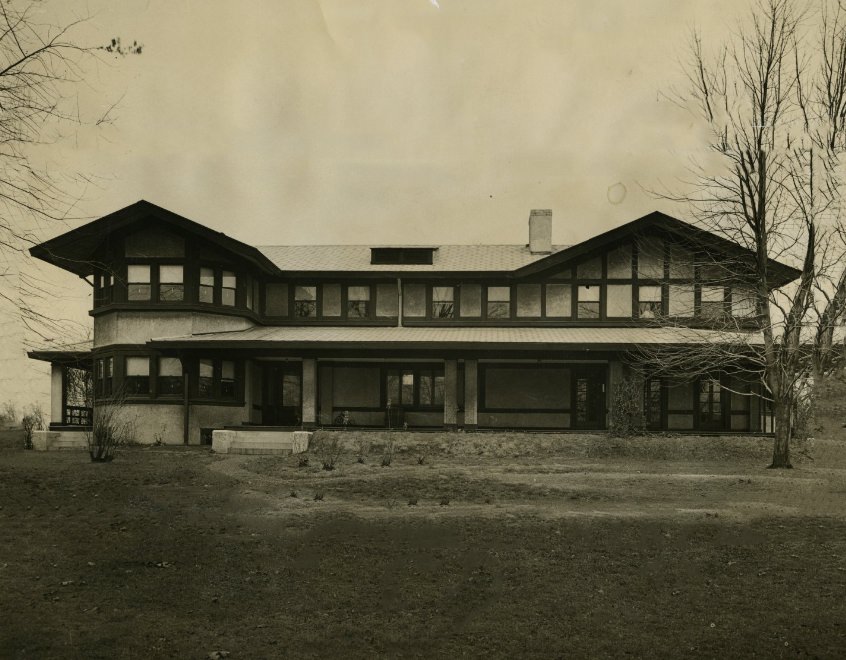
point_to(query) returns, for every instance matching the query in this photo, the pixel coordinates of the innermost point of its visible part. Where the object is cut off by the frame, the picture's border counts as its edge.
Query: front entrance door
(282, 388)
(710, 405)
(589, 398)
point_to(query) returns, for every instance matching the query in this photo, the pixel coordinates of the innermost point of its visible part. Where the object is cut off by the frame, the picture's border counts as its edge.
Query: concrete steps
(279, 443)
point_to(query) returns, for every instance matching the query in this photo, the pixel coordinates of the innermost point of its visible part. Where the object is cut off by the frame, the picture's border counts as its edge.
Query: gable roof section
(446, 258)
(663, 222)
(73, 250)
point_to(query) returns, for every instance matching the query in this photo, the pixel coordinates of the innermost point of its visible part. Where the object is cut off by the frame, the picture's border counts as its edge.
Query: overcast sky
(385, 121)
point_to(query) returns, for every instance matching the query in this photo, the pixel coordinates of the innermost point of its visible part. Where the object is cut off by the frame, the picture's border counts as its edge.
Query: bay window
(228, 288)
(206, 292)
(137, 376)
(169, 379)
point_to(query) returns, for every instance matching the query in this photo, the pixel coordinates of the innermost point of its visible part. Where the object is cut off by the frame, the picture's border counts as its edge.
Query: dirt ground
(584, 547)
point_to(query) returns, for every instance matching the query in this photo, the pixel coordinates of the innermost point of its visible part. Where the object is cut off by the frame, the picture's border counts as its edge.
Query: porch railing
(77, 416)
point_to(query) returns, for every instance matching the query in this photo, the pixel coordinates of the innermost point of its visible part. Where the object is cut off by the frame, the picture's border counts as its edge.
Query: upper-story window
(330, 300)
(358, 302)
(559, 300)
(529, 300)
(443, 302)
(138, 284)
(588, 301)
(206, 291)
(228, 288)
(499, 302)
(171, 283)
(305, 302)
(712, 304)
(471, 300)
(103, 288)
(649, 302)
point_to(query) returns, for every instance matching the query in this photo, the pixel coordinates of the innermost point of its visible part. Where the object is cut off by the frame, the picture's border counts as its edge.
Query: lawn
(524, 546)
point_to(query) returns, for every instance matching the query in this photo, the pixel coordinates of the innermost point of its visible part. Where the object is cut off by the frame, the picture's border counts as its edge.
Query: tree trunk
(781, 442)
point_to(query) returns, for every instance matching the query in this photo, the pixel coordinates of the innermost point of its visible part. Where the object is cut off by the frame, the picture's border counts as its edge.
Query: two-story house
(198, 331)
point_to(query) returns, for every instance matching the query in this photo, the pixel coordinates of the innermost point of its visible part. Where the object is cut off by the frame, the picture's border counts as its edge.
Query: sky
(375, 122)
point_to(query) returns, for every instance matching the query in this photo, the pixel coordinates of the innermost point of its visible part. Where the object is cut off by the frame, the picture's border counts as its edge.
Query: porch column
(325, 374)
(471, 394)
(57, 393)
(450, 393)
(309, 415)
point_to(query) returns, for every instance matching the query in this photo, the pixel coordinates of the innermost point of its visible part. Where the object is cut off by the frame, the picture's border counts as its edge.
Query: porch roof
(76, 354)
(451, 338)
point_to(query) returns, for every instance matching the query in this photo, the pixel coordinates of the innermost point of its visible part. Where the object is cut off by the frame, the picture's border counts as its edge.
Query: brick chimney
(540, 231)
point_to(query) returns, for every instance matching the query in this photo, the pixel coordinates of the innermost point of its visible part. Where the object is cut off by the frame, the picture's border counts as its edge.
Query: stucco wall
(148, 421)
(130, 327)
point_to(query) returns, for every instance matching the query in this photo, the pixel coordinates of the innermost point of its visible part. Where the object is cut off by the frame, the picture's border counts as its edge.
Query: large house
(194, 330)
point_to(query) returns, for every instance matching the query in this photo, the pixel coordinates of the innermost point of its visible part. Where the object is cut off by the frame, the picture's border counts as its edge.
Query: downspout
(399, 309)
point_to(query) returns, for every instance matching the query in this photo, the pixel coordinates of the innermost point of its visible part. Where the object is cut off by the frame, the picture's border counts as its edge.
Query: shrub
(627, 419)
(110, 429)
(9, 413)
(362, 449)
(329, 450)
(388, 453)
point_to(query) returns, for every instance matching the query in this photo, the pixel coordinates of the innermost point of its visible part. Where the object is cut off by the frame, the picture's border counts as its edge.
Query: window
(276, 300)
(137, 376)
(471, 300)
(681, 301)
(387, 300)
(431, 388)
(743, 304)
(681, 262)
(620, 263)
(109, 373)
(529, 300)
(358, 302)
(443, 302)
(228, 286)
(206, 285)
(649, 302)
(411, 388)
(558, 300)
(650, 258)
(99, 376)
(499, 302)
(710, 411)
(652, 399)
(138, 282)
(169, 376)
(227, 379)
(305, 302)
(256, 297)
(171, 287)
(331, 300)
(619, 301)
(205, 381)
(713, 302)
(103, 283)
(217, 379)
(588, 302)
(250, 292)
(414, 300)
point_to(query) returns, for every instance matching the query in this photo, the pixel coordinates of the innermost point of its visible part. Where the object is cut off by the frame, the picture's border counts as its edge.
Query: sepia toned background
(370, 121)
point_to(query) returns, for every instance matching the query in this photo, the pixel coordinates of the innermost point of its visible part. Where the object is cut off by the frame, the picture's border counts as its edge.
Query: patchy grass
(557, 553)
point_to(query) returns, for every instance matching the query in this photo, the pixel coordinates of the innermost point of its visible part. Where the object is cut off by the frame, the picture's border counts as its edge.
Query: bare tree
(41, 67)
(773, 98)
